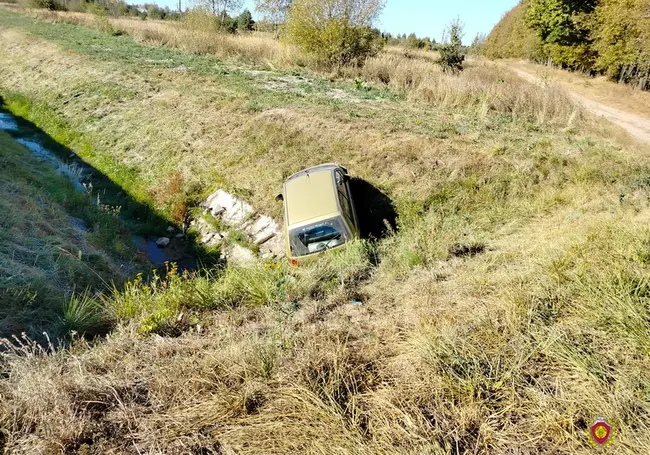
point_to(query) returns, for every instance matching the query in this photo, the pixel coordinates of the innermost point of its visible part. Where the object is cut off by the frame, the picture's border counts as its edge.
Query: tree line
(610, 37)
(110, 7)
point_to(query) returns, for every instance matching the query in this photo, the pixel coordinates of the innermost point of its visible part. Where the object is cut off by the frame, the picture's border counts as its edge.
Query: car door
(345, 200)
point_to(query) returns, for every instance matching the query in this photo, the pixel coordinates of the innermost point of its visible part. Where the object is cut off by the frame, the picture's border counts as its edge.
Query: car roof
(321, 167)
(311, 195)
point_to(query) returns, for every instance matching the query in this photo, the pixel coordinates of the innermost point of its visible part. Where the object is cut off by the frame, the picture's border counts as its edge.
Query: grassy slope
(43, 258)
(516, 348)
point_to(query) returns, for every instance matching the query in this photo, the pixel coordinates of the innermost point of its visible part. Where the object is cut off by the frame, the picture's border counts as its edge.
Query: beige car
(319, 213)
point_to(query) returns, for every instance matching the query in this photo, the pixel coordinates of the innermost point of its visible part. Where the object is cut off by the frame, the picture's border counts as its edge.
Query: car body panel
(309, 196)
(314, 195)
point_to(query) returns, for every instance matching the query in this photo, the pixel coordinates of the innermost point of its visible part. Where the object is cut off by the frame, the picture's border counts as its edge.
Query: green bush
(226, 24)
(84, 315)
(52, 5)
(245, 22)
(414, 42)
(201, 19)
(336, 32)
(451, 52)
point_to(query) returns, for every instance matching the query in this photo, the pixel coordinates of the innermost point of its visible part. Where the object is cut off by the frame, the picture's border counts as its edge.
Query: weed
(83, 315)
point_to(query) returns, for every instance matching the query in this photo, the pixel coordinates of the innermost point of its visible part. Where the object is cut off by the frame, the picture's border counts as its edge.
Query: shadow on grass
(375, 210)
(111, 220)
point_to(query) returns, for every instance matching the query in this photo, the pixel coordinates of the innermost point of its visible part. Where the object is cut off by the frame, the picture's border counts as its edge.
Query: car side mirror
(279, 197)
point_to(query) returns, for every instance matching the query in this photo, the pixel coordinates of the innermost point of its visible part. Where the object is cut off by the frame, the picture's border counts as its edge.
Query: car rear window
(317, 237)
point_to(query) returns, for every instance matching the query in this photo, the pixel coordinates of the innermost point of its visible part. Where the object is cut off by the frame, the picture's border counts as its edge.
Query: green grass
(104, 47)
(43, 258)
(84, 316)
(157, 305)
(116, 185)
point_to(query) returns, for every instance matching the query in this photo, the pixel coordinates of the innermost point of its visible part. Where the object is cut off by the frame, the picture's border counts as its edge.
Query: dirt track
(638, 127)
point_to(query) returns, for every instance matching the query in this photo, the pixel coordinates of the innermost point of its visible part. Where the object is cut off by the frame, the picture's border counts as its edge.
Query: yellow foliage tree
(611, 37)
(622, 40)
(336, 32)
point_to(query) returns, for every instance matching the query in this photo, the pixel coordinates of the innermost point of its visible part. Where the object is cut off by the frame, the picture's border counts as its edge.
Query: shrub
(227, 24)
(336, 32)
(414, 42)
(52, 5)
(200, 19)
(245, 21)
(451, 53)
(155, 12)
(82, 314)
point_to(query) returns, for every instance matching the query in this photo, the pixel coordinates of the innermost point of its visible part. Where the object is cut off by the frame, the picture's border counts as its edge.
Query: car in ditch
(319, 213)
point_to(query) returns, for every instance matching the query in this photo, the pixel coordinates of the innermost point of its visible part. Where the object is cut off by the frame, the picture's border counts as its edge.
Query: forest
(610, 37)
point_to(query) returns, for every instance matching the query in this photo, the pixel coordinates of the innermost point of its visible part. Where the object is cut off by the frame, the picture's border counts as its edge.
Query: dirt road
(638, 127)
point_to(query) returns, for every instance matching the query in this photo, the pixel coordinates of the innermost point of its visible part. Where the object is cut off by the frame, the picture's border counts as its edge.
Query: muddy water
(77, 173)
(160, 256)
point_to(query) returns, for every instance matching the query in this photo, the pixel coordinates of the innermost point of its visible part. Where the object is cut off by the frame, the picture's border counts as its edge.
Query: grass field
(43, 257)
(507, 312)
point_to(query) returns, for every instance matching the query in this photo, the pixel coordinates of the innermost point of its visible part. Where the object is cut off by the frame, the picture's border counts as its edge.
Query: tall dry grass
(482, 87)
(195, 35)
(422, 54)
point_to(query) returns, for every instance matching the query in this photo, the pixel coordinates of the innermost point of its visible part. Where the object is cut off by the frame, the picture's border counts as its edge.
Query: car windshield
(317, 237)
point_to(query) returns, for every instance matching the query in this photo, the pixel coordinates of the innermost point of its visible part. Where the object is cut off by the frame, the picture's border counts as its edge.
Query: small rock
(263, 238)
(78, 224)
(180, 235)
(273, 247)
(262, 229)
(217, 210)
(162, 242)
(171, 229)
(239, 255)
(231, 210)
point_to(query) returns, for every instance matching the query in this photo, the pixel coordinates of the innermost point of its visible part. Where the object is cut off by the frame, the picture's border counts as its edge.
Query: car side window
(343, 196)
